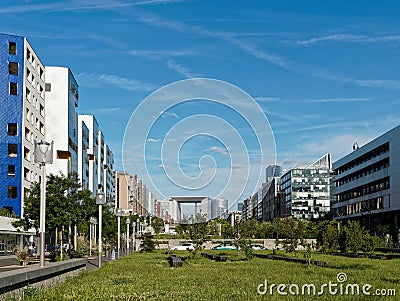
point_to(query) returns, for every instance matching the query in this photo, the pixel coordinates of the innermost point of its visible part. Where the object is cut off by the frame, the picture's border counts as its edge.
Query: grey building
(367, 181)
(306, 190)
(219, 208)
(271, 200)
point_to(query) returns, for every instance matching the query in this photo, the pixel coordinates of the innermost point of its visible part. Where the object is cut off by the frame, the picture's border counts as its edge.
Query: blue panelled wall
(11, 111)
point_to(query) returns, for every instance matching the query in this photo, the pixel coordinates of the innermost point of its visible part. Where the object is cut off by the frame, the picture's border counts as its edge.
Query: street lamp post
(43, 155)
(90, 235)
(92, 228)
(100, 200)
(128, 223)
(119, 213)
(134, 236)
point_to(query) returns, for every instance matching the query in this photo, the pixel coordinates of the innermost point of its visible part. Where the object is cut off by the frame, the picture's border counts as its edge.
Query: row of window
(36, 85)
(380, 150)
(30, 117)
(366, 189)
(35, 63)
(364, 207)
(35, 102)
(28, 174)
(364, 172)
(13, 152)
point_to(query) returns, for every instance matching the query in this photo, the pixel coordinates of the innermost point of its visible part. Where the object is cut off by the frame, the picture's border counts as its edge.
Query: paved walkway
(9, 263)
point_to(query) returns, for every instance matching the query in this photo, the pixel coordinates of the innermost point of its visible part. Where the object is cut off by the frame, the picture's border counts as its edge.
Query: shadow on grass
(356, 266)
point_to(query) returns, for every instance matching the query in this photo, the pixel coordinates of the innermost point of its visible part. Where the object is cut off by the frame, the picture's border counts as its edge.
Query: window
(47, 87)
(12, 129)
(12, 192)
(27, 134)
(13, 88)
(27, 174)
(13, 68)
(12, 48)
(11, 171)
(27, 154)
(41, 127)
(28, 94)
(12, 150)
(41, 108)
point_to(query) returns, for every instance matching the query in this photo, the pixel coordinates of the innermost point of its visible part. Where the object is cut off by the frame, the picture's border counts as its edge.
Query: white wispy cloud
(181, 69)
(152, 140)
(105, 111)
(278, 60)
(171, 114)
(217, 149)
(78, 5)
(130, 84)
(313, 100)
(389, 84)
(228, 37)
(350, 38)
(161, 54)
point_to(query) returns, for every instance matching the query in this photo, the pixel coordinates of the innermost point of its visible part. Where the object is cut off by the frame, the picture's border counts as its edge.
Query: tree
(65, 204)
(248, 228)
(329, 237)
(147, 244)
(354, 236)
(158, 224)
(7, 212)
(294, 233)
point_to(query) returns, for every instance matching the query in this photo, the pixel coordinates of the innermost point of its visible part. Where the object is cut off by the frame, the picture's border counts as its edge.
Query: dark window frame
(12, 48)
(13, 88)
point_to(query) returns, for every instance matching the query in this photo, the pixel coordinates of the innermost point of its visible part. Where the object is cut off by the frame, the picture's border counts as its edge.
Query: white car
(183, 246)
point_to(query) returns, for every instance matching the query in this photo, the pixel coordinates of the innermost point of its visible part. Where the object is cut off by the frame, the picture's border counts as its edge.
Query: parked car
(183, 246)
(51, 248)
(257, 247)
(224, 247)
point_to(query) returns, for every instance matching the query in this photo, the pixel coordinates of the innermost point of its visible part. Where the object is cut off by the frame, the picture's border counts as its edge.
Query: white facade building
(367, 182)
(91, 124)
(61, 119)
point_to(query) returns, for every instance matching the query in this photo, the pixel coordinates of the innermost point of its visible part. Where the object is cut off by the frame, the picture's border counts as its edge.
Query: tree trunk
(61, 244)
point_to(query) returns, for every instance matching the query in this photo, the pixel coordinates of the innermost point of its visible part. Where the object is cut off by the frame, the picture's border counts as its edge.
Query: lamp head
(100, 198)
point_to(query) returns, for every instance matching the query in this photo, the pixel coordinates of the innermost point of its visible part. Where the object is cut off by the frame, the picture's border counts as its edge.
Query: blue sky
(325, 73)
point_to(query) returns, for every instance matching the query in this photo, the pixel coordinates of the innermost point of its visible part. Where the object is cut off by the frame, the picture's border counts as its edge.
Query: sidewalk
(9, 263)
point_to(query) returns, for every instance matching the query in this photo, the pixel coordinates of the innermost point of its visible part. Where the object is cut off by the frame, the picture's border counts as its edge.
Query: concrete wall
(13, 283)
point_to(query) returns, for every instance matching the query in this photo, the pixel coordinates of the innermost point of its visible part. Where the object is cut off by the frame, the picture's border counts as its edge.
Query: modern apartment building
(271, 202)
(61, 119)
(130, 194)
(108, 174)
(307, 190)
(234, 217)
(367, 182)
(95, 158)
(83, 155)
(91, 160)
(22, 118)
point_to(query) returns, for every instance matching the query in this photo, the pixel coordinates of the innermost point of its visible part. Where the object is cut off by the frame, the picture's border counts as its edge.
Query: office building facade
(306, 190)
(367, 182)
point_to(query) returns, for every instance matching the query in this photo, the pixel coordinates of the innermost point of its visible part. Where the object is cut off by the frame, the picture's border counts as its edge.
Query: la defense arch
(201, 205)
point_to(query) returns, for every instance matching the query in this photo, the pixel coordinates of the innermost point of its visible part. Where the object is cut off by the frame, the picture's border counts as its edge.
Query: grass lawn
(147, 276)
